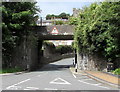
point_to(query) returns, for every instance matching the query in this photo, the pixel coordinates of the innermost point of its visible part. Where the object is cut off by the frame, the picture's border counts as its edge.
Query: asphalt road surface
(54, 76)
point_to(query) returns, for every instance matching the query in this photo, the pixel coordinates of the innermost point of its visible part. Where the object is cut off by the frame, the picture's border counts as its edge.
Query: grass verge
(10, 70)
(117, 71)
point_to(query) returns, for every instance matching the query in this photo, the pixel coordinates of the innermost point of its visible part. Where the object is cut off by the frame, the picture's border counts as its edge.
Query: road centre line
(31, 88)
(50, 89)
(18, 83)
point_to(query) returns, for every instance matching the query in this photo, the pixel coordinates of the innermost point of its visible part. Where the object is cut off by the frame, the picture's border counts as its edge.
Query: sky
(56, 7)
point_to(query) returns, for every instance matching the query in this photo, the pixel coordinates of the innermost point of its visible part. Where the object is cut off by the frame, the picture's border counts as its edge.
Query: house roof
(62, 29)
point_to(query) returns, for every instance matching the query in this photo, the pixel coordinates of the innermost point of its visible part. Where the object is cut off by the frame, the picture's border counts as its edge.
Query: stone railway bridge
(44, 32)
(28, 54)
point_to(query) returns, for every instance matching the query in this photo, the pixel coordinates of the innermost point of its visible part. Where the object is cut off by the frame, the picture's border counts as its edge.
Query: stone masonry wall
(55, 57)
(25, 55)
(117, 63)
(91, 62)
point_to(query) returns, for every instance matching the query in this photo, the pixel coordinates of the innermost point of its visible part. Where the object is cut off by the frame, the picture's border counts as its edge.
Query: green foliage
(64, 49)
(98, 30)
(58, 22)
(17, 17)
(50, 44)
(10, 70)
(73, 21)
(62, 15)
(117, 71)
(48, 17)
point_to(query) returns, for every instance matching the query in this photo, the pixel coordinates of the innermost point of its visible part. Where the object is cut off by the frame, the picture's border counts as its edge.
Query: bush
(59, 22)
(117, 71)
(50, 44)
(64, 49)
(17, 18)
(97, 30)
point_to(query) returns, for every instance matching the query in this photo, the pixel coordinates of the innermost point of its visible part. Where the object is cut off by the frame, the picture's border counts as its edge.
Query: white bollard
(75, 67)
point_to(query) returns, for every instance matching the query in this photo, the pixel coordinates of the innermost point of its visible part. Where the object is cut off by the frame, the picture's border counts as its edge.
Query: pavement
(100, 76)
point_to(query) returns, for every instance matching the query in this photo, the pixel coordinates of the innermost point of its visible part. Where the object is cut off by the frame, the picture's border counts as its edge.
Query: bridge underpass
(44, 33)
(56, 37)
(55, 76)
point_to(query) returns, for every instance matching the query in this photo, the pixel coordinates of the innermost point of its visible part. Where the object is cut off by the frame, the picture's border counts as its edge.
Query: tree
(17, 17)
(49, 17)
(98, 30)
(62, 15)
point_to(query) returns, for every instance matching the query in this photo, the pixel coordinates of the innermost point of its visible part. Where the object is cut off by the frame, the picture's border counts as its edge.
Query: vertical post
(38, 49)
(41, 21)
(75, 60)
(75, 56)
(54, 21)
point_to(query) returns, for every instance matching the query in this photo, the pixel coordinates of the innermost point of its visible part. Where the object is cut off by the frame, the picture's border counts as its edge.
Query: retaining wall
(91, 62)
(26, 54)
(55, 57)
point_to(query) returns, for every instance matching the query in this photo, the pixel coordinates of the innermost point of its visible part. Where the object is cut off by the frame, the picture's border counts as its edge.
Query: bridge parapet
(65, 32)
(62, 29)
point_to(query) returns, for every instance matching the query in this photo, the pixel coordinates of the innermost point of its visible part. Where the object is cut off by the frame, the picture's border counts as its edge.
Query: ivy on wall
(97, 30)
(17, 17)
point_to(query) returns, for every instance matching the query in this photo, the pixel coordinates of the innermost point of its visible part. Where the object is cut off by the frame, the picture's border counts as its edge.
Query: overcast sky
(58, 6)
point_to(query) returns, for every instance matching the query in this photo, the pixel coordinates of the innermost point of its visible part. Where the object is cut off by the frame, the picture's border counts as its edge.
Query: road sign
(54, 31)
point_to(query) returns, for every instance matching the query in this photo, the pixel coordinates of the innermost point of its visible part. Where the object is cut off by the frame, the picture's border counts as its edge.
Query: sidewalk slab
(102, 77)
(105, 77)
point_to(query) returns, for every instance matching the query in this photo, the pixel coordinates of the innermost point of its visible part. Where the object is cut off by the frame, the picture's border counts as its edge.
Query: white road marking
(88, 83)
(86, 79)
(104, 87)
(12, 86)
(31, 88)
(63, 81)
(93, 84)
(50, 89)
(74, 76)
(104, 81)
